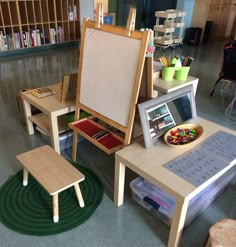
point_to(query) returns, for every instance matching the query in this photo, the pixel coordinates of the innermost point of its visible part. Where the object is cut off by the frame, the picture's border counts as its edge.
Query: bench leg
(55, 208)
(79, 195)
(25, 177)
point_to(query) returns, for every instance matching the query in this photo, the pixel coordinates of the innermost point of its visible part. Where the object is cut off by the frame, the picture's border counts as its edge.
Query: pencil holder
(182, 73)
(168, 73)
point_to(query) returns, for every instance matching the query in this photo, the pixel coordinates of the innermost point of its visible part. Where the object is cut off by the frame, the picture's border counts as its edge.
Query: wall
(220, 12)
(187, 6)
(86, 9)
(200, 13)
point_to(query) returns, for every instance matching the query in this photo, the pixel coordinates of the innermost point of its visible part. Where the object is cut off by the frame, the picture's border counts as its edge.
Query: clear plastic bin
(161, 204)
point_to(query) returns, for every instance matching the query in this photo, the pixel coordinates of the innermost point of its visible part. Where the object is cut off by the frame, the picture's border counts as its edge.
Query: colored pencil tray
(98, 135)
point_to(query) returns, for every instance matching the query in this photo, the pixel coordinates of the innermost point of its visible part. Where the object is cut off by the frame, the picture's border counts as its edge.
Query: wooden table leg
(25, 177)
(119, 183)
(79, 195)
(178, 220)
(28, 114)
(55, 208)
(54, 133)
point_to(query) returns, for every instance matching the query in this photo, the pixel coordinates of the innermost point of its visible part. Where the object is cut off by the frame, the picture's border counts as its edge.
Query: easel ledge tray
(88, 128)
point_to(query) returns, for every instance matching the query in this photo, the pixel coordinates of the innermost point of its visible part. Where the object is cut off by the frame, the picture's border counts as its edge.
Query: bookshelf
(32, 23)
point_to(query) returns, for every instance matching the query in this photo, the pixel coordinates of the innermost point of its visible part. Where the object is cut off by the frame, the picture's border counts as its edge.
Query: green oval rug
(28, 210)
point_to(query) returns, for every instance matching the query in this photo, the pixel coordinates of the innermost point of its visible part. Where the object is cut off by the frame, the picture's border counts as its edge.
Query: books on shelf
(61, 35)
(16, 40)
(72, 13)
(27, 39)
(10, 41)
(1, 41)
(52, 36)
(31, 38)
(34, 37)
(37, 37)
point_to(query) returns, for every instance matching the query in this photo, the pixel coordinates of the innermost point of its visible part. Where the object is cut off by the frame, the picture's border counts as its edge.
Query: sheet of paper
(206, 159)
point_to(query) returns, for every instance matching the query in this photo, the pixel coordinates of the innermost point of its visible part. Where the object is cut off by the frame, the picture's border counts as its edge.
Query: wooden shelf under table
(42, 121)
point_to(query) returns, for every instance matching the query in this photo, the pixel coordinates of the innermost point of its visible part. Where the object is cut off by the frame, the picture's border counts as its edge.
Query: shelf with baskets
(169, 26)
(31, 23)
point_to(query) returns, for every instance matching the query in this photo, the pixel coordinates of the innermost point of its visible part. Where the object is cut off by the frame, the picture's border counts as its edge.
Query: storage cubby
(13, 13)
(72, 30)
(30, 23)
(59, 11)
(45, 14)
(65, 10)
(66, 31)
(37, 12)
(29, 7)
(23, 13)
(1, 18)
(6, 14)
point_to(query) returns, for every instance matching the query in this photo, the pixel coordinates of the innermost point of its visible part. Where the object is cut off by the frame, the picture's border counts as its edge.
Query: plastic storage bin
(161, 204)
(65, 138)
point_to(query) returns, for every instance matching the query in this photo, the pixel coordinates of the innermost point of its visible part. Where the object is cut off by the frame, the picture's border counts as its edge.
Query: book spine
(38, 37)
(24, 39)
(1, 41)
(52, 36)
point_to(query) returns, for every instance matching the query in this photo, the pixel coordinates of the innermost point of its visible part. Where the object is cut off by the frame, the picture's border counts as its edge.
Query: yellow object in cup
(182, 73)
(168, 73)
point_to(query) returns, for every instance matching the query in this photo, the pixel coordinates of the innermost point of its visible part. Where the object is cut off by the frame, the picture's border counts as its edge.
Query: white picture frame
(157, 117)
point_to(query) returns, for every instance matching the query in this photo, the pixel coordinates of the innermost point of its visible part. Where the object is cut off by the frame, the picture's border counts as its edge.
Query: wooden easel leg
(74, 147)
(25, 177)
(79, 195)
(55, 208)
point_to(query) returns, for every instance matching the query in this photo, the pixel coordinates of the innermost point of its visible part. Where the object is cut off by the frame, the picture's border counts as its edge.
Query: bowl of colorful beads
(183, 134)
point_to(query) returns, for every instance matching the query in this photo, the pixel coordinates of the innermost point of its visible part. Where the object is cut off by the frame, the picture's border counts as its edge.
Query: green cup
(182, 73)
(168, 73)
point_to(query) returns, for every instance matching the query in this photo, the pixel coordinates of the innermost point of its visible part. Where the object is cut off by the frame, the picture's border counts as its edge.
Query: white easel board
(108, 73)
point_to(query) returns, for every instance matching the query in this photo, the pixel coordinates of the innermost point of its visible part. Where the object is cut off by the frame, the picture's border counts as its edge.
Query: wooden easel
(117, 110)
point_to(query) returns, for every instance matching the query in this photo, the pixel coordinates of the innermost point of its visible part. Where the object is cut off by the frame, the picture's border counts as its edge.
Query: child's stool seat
(222, 234)
(53, 172)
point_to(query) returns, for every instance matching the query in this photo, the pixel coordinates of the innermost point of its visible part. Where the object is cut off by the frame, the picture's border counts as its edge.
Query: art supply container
(182, 73)
(168, 73)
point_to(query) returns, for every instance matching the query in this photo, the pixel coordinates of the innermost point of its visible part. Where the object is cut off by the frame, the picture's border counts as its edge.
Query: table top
(50, 169)
(149, 163)
(169, 86)
(50, 103)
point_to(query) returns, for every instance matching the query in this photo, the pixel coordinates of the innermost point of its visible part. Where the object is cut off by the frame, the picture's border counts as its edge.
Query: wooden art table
(149, 164)
(53, 172)
(51, 108)
(169, 86)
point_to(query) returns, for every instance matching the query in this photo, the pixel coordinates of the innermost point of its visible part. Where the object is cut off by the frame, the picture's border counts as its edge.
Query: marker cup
(168, 73)
(182, 73)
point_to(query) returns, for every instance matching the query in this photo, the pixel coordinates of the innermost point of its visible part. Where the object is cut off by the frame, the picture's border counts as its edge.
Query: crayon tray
(88, 128)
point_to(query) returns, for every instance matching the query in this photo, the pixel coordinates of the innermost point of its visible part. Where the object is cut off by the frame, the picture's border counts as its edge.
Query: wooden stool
(53, 172)
(222, 234)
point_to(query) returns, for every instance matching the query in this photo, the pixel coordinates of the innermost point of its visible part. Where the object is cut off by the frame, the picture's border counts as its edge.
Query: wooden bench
(53, 172)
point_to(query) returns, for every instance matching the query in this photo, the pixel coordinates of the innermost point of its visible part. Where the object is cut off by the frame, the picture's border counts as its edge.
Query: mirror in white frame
(162, 113)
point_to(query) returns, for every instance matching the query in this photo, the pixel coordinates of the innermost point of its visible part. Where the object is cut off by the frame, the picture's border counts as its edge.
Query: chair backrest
(229, 62)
